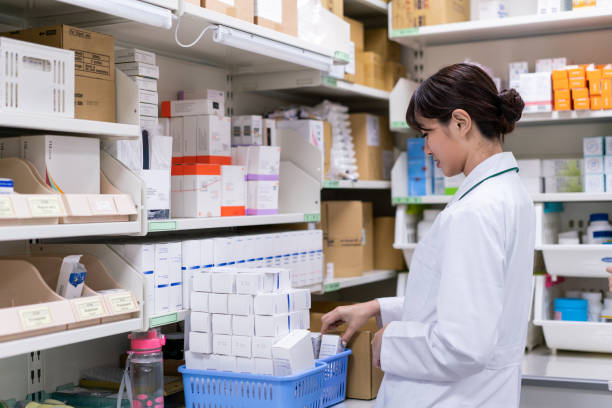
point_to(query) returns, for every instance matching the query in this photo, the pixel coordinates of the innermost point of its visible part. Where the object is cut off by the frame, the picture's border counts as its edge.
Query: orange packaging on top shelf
(596, 103)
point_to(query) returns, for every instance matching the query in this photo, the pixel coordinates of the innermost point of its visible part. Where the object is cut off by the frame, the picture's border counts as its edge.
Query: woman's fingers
(331, 320)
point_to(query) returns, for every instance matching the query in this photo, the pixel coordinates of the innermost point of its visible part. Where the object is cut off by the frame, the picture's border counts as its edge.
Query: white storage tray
(586, 261)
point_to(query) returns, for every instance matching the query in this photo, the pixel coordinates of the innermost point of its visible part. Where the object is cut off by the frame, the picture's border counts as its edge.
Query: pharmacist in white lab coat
(456, 339)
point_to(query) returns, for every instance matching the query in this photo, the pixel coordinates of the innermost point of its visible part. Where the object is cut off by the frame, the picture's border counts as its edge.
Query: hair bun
(511, 105)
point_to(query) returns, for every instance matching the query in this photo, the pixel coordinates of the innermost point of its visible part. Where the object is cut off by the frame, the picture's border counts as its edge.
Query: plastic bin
(334, 378)
(208, 389)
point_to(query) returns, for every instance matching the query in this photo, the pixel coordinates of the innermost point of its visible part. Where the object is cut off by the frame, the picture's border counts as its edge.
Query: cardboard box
(387, 144)
(218, 303)
(335, 6)
(373, 71)
(272, 326)
(199, 301)
(279, 15)
(243, 326)
(202, 281)
(262, 346)
(328, 141)
(221, 324)
(94, 67)
(222, 344)
(596, 103)
(342, 223)
(241, 346)
(595, 88)
(241, 305)
(359, 77)
(242, 9)
(559, 84)
(201, 342)
(271, 304)
(377, 40)
(577, 83)
(366, 137)
(264, 366)
(201, 322)
(385, 257)
(393, 72)
(410, 13)
(357, 33)
(368, 233)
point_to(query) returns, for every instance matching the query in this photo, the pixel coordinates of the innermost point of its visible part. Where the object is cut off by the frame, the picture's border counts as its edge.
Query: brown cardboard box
(327, 142)
(366, 137)
(335, 6)
(342, 223)
(387, 144)
(377, 40)
(393, 72)
(94, 66)
(357, 33)
(289, 24)
(373, 70)
(358, 77)
(402, 12)
(434, 12)
(242, 9)
(385, 257)
(368, 227)
(363, 379)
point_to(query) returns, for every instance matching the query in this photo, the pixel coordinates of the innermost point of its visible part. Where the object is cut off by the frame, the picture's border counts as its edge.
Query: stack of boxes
(238, 314)
(562, 175)
(262, 164)
(373, 146)
(409, 14)
(597, 164)
(424, 176)
(530, 173)
(582, 87)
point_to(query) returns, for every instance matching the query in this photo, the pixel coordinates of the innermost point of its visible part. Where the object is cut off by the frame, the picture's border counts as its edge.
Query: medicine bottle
(597, 222)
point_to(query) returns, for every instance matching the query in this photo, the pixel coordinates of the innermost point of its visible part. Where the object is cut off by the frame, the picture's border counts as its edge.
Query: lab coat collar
(493, 165)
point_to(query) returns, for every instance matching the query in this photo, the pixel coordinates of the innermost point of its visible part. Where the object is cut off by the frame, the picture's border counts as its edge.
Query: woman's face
(445, 144)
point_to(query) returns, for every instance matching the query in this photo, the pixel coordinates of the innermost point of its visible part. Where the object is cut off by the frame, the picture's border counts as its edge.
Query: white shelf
(184, 224)
(360, 8)
(571, 197)
(357, 185)
(41, 123)
(521, 26)
(421, 200)
(47, 341)
(14, 233)
(563, 117)
(342, 283)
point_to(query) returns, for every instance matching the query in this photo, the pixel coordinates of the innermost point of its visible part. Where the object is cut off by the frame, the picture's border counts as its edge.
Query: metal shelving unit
(357, 185)
(184, 224)
(564, 117)
(342, 283)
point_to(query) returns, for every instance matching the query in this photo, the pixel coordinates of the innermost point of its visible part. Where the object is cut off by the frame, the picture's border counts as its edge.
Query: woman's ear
(462, 122)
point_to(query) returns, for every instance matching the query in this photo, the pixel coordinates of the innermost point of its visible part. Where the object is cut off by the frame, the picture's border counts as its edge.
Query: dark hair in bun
(467, 87)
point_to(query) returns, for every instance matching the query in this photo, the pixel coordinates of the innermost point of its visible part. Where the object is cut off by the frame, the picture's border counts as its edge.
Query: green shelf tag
(342, 56)
(331, 287)
(312, 217)
(155, 226)
(406, 200)
(400, 124)
(329, 81)
(163, 320)
(331, 184)
(403, 32)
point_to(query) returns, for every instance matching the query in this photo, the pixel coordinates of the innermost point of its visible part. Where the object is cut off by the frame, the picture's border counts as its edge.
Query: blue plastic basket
(215, 389)
(334, 382)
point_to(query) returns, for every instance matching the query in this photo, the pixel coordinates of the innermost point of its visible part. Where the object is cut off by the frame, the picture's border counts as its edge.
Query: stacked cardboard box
(373, 146)
(408, 14)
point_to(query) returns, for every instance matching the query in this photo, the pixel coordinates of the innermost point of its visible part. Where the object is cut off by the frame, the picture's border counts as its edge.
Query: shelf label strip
(331, 183)
(406, 200)
(402, 32)
(331, 287)
(312, 217)
(155, 226)
(163, 320)
(399, 124)
(329, 81)
(34, 318)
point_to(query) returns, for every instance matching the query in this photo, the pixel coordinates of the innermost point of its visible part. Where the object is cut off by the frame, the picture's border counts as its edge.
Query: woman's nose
(426, 148)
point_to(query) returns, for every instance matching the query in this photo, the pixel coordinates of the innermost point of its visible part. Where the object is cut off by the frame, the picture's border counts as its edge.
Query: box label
(121, 303)
(34, 318)
(405, 32)
(163, 320)
(45, 207)
(373, 130)
(89, 309)
(270, 10)
(6, 208)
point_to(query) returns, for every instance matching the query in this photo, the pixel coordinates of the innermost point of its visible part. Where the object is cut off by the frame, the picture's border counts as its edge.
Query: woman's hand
(354, 316)
(376, 346)
(609, 269)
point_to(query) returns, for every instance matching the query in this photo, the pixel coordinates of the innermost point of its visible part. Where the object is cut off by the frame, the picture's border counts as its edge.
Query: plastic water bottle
(146, 369)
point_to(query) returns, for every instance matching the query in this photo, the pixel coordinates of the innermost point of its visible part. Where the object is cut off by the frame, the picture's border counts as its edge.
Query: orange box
(561, 83)
(606, 101)
(578, 72)
(596, 103)
(593, 75)
(606, 86)
(563, 104)
(562, 94)
(606, 71)
(559, 74)
(595, 88)
(582, 104)
(577, 83)
(580, 93)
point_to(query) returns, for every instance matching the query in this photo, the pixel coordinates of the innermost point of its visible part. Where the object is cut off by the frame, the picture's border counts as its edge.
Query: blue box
(416, 148)
(417, 187)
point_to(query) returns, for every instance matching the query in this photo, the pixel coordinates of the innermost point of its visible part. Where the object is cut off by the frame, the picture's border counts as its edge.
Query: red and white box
(192, 107)
(176, 192)
(201, 190)
(233, 191)
(213, 143)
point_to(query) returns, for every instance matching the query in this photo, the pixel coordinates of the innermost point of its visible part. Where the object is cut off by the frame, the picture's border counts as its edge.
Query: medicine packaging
(593, 146)
(331, 344)
(241, 346)
(190, 263)
(536, 90)
(240, 304)
(207, 248)
(243, 325)
(199, 301)
(245, 365)
(233, 191)
(193, 107)
(272, 303)
(226, 363)
(134, 55)
(251, 128)
(252, 283)
(262, 197)
(293, 353)
(71, 279)
(594, 183)
(157, 193)
(264, 366)
(222, 344)
(201, 322)
(221, 324)
(316, 344)
(218, 303)
(272, 326)
(140, 69)
(200, 342)
(210, 94)
(262, 346)
(146, 84)
(142, 258)
(594, 165)
(223, 282)
(202, 190)
(199, 361)
(202, 281)
(263, 161)
(213, 143)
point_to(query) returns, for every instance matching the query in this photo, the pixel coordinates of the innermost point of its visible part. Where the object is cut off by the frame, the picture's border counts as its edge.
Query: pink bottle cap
(152, 342)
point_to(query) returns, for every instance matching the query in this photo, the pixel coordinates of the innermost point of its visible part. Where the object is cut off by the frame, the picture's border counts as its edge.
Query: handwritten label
(121, 303)
(6, 207)
(45, 207)
(34, 318)
(89, 309)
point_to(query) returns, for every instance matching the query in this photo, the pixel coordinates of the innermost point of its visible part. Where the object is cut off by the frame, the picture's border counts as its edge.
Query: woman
(457, 337)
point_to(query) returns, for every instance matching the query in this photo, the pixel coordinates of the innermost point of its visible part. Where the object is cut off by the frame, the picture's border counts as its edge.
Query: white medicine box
(252, 130)
(293, 354)
(263, 161)
(36, 79)
(262, 197)
(68, 164)
(213, 139)
(233, 191)
(593, 146)
(201, 190)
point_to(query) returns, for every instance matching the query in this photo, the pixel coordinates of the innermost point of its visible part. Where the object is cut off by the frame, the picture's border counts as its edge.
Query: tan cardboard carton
(289, 20)
(343, 249)
(366, 138)
(368, 227)
(385, 257)
(377, 40)
(242, 9)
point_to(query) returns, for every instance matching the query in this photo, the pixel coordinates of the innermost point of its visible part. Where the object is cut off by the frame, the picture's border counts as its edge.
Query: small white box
(221, 324)
(241, 346)
(593, 146)
(492, 9)
(139, 69)
(254, 283)
(236, 133)
(162, 264)
(177, 131)
(536, 91)
(201, 322)
(226, 363)
(157, 193)
(142, 258)
(263, 161)
(243, 325)
(608, 142)
(608, 164)
(200, 301)
(11, 147)
(331, 344)
(594, 183)
(262, 346)
(174, 262)
(272, 326)
(594, 165)
(251, 132)
(262, 197)
(210, 94)
(223, 252)
(177, 204)
(199, 361)
(544, 65)
(200, 342)
(271, 303)
(162, 298)
(222, 344)
(560, 63)
(207, 253)
(270, 136)
(223, 282)
(245, 365)
(609, 183)
(241, 305)
(301, 299)
(202, 281)
(71, 280)
(233, 190)
(176, 296)
(202, 190)
(147, 110)
(264, 366)
(193, 107)
(134, 55)
(293, 353)
(146, 84)
(148, 97)
(213, 139)
(190, 264)
(299, 320)
(57, 157)
(218, 303)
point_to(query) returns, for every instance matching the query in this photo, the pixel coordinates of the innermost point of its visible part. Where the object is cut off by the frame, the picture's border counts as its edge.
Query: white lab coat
(457, 337)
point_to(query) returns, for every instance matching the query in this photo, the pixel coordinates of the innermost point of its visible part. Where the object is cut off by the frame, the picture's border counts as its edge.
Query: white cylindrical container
(594, 299)
(429, 216)
(597, 222)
